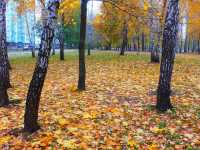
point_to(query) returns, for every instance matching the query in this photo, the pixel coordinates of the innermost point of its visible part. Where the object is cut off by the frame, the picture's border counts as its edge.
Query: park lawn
(116, 111)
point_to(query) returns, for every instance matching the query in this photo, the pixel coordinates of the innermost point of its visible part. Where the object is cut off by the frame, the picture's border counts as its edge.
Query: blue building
(17, 26)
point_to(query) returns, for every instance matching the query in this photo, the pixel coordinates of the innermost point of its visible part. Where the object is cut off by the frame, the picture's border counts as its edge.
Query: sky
(96, 7)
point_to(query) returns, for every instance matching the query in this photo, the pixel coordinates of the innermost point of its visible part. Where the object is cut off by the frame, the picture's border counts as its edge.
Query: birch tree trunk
(4, 63)
(168, 55)
(36, 85)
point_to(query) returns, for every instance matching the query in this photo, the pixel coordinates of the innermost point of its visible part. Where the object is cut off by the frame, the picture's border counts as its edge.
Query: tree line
(138, 26)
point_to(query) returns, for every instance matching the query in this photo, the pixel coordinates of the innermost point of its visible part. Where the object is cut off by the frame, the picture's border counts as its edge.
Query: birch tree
(4, 63)
(36, 84)
(168, 56)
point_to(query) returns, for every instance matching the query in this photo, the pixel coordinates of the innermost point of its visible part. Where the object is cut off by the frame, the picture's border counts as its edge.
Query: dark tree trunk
(185, 44)
(82, 69)
(181, 39)
(152, 47)
(193, 45)
(36, 85)
(33, 52)
(62, 51)
(125, 38)
(89, 50)
(154, 53)
(9, 65)
(4, 63)
(4, 100)
(155, 57)
(168, 55)
(138, 40)
(53, 52)
(53, 47)
(143, 41)
(188, 48)
(8, 62)
(108, 46)
(181, 46)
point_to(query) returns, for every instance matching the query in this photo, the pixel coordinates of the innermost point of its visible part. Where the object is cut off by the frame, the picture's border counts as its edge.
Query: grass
(109, 56)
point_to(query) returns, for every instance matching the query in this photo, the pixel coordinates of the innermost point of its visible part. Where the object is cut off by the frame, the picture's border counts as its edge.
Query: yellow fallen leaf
(4, 139)
(45, 141)
(178, 122)
(131, 143)
(186, 104)
(72, 129)
(125, 124)
(73, 88)
(158, 130)
(59, 141)
(33, 144)
(69, 144)
(94, 114)
(87, 116)
(63, 122)
(88, 138)
(153, 147)
(116, 111)
(58, 132)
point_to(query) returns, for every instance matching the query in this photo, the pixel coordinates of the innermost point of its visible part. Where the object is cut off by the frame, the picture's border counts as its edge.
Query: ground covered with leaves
(115, 112)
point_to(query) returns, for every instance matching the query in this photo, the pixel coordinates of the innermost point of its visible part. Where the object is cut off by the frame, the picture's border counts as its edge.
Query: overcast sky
(96, 7)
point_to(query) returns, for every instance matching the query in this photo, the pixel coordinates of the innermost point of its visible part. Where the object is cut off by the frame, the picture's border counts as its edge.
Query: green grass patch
(105, 56)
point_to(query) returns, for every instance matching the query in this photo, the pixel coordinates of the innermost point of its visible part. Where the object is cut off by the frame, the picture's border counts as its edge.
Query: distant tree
(61, 38)
(120, 22)
(36, 85)
(125, 38)
(155, 58)
(67, 13)
(72, 32)
(109, 25)
(168, 56)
